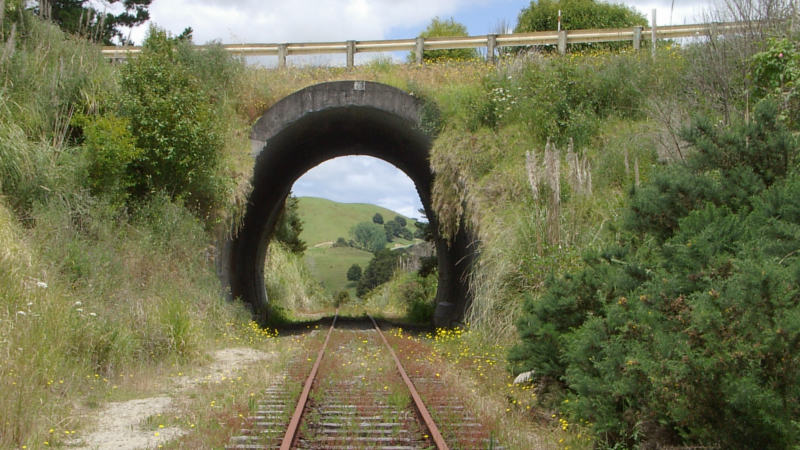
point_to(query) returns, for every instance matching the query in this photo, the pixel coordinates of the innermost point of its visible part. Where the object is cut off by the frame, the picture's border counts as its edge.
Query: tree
(174, 125)
(401, 231)
(354, 273)
(341, 298)
(445, 28)
(378, 271)
(392, 230)
(423, 229)
(377, 218)
(290, 226)
(676, 320)
(542, 15)
(369, 236)
(82, 18)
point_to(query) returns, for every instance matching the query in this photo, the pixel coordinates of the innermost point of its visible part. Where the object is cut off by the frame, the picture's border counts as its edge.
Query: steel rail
(291, 431)
(423, 411)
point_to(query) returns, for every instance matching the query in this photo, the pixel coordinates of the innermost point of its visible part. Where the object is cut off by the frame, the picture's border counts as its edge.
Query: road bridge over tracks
(319, 123)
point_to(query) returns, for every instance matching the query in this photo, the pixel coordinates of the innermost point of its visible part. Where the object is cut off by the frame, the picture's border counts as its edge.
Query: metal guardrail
(490, 41)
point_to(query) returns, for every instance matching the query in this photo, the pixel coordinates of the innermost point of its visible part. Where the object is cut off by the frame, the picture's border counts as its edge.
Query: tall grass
(89, 291)
(407, 297)
(86, 297)
(290, 286)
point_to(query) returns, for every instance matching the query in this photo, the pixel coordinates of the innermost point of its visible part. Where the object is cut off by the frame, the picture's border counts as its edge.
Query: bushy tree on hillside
(83, 18)
(378, 271)
(290, 226)
(687, 331)
(391, 230)
(396, 228)
(377, 218)
(542, 15)
(354, 273)
(445, 28)
(369, 236)
(174, 125)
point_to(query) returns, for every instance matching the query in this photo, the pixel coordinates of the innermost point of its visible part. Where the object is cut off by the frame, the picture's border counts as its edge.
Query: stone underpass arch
(319, 123)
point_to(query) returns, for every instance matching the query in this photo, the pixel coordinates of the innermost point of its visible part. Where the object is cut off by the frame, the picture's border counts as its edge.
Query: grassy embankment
(131, 271)
(324, 221)
(101, 288)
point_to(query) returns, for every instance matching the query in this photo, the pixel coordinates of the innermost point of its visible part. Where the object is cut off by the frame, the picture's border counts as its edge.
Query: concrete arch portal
(319, 123)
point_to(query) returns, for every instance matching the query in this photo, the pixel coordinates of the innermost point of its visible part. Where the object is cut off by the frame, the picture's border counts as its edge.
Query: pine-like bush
(688, 330)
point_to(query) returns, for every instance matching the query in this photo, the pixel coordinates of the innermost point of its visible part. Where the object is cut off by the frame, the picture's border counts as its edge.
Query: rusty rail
(289, 439)
(418, 403)
(291, 431)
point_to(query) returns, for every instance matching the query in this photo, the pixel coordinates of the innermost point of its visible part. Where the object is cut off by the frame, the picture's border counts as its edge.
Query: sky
(270, 21)
(354, 179)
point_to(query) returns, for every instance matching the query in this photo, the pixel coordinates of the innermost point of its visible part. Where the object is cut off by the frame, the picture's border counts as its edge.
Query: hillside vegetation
(630, 214)
(634, 218)
(106, 273)
(324, 222)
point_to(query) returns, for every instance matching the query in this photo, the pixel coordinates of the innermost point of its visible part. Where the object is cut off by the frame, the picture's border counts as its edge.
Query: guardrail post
(420, 49)
(351, 51)
(283, 49)
(637, 38)
(653, 34)
(562, 42)
(491, 43)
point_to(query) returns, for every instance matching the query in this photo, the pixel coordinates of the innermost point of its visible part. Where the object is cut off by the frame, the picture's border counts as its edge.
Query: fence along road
(490, 41)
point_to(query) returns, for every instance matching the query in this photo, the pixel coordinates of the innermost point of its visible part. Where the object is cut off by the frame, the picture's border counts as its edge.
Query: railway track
(357, 394)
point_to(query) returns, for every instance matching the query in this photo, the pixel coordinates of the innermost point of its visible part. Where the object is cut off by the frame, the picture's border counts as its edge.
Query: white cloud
(670, 12)
(361, 179)
(270, 21)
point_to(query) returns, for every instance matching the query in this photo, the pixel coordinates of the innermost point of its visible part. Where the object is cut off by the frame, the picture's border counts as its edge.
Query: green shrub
(729, 167)
(379, 270)
(776, 74)
(686, 331)
(542, 15)
(369, 236)
(354, 273)
(341, 298)
(110, 151)
(419, 295)
(445, 28)
(289, 227)
(174, 126)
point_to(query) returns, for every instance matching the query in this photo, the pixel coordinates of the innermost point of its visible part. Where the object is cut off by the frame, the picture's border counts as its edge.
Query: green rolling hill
(326, 220)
